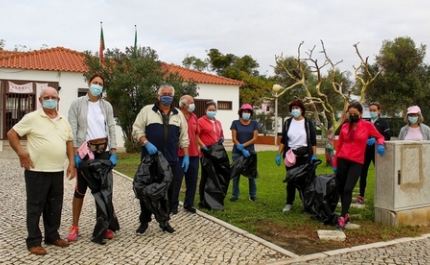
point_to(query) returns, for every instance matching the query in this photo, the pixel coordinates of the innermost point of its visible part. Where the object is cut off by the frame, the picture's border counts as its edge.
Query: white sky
(177, 28)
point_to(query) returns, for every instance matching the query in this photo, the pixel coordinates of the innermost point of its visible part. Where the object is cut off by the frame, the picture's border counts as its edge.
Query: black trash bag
(245, 166)
(320, 198)
(151, 184)
(216, 165)
(302, 175)
(98, 174)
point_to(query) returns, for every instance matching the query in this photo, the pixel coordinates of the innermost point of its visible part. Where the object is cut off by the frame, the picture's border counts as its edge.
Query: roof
(54, 59)
(201, 77)
(66, 60)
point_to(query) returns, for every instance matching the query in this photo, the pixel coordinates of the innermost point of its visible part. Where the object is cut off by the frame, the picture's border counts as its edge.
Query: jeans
(252, 182)
(190, 182)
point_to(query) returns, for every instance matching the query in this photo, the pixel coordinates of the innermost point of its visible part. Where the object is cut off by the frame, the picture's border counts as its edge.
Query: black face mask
(354, 118)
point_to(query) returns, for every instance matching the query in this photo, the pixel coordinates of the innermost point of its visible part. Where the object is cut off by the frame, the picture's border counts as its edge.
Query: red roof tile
(201, 77)
(54, 59)
(66, 60)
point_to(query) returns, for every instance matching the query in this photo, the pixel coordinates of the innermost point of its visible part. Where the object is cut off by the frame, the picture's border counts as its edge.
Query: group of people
(355, 150)
(179, 135)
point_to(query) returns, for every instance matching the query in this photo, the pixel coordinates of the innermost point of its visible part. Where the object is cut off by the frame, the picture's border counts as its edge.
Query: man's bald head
(48, 92)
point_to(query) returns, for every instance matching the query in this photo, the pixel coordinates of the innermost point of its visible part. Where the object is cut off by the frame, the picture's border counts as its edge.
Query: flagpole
(102, 44)
(135, 41)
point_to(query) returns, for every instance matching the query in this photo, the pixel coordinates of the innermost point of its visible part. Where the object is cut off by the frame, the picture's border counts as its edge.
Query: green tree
(195, 63)
(238, 68)
(131, 82)
(2, 44)
(404, 77)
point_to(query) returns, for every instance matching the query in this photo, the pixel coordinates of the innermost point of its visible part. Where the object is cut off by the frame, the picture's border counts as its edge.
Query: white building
(24, 74)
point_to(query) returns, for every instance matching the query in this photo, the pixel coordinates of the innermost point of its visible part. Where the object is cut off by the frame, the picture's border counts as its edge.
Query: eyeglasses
(46, 98)
(97, 83)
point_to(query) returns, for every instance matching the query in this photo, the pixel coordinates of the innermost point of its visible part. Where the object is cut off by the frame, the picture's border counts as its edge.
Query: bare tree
(327, 117)
(365, 77)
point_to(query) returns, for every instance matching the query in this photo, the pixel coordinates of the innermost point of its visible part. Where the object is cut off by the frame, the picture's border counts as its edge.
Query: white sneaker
(287, 208)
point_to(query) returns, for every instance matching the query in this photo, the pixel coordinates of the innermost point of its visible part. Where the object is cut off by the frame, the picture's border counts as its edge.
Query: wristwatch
(144, 142)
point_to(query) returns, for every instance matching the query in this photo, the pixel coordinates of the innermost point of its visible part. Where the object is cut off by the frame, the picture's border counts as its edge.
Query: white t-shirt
(96, 122)
(297, 134)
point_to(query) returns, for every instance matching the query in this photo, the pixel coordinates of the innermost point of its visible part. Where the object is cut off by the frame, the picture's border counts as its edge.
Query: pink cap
(246, 106)
(414, 109)
(290, 158)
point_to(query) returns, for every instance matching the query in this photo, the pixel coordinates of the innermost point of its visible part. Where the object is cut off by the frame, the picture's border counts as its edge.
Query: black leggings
(347, 175)
(368, 158)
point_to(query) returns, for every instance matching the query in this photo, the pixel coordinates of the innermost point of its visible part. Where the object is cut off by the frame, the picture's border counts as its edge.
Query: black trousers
(44, 196)
(368, 158)
(145, 213)
(347, 175)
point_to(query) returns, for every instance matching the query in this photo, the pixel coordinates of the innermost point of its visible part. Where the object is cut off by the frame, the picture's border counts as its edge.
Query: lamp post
(275, 89)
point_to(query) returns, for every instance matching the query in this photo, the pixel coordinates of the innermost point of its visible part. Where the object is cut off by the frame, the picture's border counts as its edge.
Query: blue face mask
(296, 113)
(246, 116)
(50, 104)
(96, 90)
(166, 100)
(373, 115)
(211, 114)
(413, 120)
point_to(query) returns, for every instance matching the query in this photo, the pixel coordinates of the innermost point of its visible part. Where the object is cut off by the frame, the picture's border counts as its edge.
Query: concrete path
(199, 238)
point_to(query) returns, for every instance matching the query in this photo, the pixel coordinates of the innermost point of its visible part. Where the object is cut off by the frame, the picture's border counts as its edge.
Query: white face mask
(191, 107)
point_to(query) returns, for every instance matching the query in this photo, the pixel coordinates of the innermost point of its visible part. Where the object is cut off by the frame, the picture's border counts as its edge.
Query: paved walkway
(199, 238)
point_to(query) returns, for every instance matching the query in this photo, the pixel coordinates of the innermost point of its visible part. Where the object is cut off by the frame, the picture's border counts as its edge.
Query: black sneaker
(165, 226)
(233, 199)
(174, 211)
(142, 228)
(191, 209)
(253, 199)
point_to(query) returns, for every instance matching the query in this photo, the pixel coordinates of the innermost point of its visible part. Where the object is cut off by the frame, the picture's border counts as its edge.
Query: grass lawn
(293, 230)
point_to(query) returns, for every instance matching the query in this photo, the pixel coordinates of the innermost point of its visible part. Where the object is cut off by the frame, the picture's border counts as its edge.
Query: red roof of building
(54, 59)
(201, 77)
(66, 60)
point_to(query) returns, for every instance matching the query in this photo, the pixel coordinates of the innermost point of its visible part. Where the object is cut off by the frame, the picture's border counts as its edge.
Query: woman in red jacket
(349, 159)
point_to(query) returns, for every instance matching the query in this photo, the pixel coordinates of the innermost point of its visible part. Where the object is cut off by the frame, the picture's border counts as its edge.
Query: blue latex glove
(371, 141)
(240, 147)
(221, 140)
(246, 153)
(278, 159)
(77, 161)
(334, 169)
(380, 149)
(205, 148)
(314, 157)
(114, 159)
(185, 163)
(152, 150)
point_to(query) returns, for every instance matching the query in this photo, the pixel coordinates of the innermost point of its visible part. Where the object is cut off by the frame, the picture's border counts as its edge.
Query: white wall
(222, 93)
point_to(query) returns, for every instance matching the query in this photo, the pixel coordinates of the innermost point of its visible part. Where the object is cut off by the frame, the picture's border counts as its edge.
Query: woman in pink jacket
(349, 159)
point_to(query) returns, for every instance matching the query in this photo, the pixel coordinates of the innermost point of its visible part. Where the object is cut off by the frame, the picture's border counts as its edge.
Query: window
(224, 105)
(82, 92)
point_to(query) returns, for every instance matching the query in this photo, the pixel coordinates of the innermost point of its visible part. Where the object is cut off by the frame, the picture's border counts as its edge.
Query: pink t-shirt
(414, 134)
